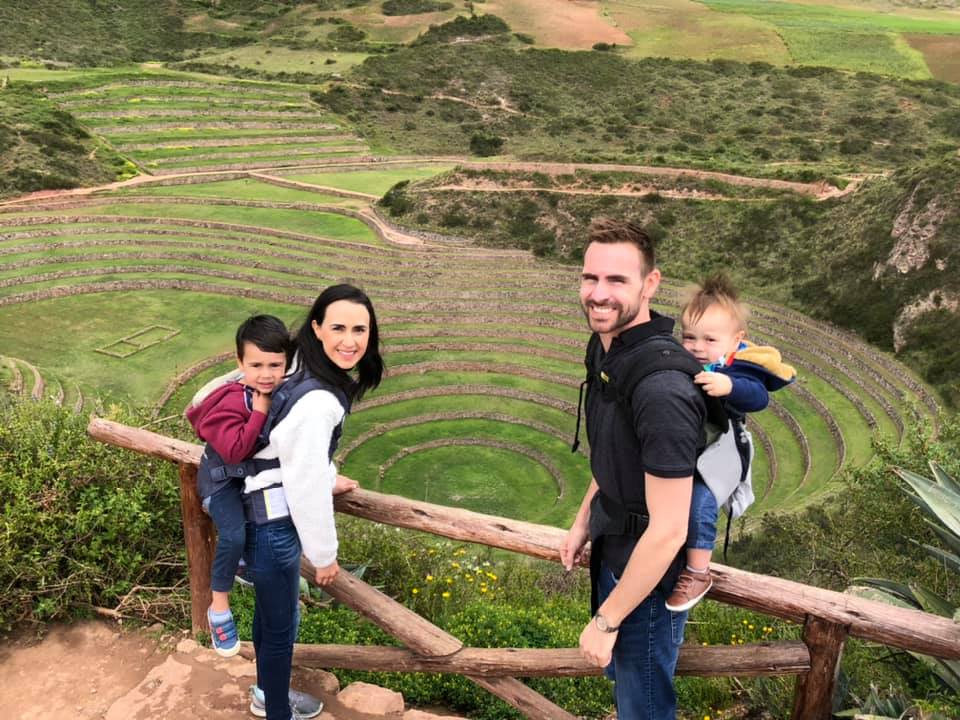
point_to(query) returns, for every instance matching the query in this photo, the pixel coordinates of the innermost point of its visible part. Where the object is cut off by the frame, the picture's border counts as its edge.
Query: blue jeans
(273, 563)
(645, 656)
(702, 529)
(226, 510)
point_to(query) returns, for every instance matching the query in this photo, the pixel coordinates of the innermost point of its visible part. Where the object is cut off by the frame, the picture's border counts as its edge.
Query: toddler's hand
(261, 402)
(714, 384)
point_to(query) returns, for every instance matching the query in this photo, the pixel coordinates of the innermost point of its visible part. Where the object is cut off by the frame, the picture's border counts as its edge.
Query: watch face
(601, 623)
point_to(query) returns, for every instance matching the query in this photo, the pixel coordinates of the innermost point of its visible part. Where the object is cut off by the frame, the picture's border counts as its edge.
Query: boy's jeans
(226, 510)
(645, 656)
(702, 528)
(273, 563)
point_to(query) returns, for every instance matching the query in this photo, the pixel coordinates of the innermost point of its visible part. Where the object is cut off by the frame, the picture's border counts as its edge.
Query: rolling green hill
(43, 147)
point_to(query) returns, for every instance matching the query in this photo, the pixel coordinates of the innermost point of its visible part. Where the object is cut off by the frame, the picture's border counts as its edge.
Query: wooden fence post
(198, 535)
(814, 694)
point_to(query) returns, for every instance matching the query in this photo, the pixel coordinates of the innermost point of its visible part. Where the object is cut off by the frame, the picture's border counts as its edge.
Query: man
(643, 451)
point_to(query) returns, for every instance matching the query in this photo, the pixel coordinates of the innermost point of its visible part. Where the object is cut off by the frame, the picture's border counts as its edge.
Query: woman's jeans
(225, 508)
(645, 656)
(273, 562)
(702, 528)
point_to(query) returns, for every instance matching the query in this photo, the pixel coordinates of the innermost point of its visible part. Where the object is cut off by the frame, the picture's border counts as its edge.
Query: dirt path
(93, 671)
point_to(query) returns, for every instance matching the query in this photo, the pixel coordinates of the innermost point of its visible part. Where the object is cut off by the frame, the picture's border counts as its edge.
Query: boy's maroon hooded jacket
(226, 419)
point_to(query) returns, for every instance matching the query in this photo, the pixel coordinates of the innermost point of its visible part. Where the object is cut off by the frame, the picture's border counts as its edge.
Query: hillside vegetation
(881, 261)
(42, 147)
(592, 106)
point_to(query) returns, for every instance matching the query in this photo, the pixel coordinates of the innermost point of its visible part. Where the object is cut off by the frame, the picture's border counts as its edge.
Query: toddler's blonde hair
(715, 290)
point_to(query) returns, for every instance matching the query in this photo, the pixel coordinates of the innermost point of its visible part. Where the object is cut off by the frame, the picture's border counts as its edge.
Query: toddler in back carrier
(713, 325)
(229, 419)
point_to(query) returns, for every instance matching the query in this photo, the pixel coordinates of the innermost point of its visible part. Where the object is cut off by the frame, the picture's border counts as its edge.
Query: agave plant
(887, 705)
(939, 499)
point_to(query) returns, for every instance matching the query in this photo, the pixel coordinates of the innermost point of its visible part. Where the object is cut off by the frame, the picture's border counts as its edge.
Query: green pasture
(368, 419)
(146, 106)
(187, 239)
(246, 189)
(375, 182)
(483, 479)
(60, 336)
(466, 327)
(687, 29)
(823, 449)
(186, 150)
(508, 340)
(789, 456)
(266, 162)
(363, 463)
(559, 367)
(319, 224)
(276, 58)
(847, 38)
(185, 133)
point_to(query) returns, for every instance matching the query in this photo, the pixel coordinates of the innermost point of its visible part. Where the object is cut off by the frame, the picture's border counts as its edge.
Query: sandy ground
(93, 671)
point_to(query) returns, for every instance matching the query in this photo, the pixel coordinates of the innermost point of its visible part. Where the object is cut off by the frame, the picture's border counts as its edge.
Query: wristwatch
(603, 625)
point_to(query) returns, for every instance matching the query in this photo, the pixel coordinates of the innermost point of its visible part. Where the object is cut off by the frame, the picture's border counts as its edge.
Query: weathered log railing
(828, 617)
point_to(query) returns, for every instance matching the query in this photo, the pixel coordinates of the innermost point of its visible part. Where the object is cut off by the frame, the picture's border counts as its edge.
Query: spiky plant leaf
(943, 503)
(943, 478)
(952, 541)
(889, 587)
(950, 560)
(880, 595)
(932, 602)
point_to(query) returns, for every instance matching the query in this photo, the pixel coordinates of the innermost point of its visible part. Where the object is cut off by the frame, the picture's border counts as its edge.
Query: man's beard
(624, 316)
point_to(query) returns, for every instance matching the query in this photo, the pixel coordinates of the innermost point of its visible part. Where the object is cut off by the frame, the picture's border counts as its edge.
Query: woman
(290, 507)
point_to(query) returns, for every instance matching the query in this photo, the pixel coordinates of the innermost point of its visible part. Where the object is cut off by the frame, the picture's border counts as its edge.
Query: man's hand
(325, 575)
(572, 547)
(596, 646)
(261, 401)
(714, 384)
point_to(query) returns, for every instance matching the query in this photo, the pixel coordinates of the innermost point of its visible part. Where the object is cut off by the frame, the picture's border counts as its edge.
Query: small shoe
(689, 590)
(223, 635)
(302, 705)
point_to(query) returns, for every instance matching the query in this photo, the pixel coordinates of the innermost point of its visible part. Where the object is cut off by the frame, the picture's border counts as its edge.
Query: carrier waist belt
(266, 505)
(247, 468)
(621, 520)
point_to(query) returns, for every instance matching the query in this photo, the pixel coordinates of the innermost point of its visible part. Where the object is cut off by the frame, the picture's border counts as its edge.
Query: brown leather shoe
(689, 590)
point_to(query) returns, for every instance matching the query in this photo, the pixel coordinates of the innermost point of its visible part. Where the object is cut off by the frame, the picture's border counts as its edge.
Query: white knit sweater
(302, 442)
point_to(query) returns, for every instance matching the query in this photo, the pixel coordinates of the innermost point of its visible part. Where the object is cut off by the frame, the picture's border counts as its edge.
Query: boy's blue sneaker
(223, 633)
(302, 705)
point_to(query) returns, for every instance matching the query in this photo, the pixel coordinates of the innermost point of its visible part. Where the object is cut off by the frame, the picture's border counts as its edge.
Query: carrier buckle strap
(247, 468)
(624, 521)
(266, 505)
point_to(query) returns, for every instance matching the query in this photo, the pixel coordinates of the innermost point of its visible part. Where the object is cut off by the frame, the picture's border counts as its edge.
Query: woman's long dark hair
(315, 360)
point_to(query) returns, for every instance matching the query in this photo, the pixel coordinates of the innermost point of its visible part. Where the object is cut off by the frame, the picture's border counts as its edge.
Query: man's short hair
(608, 231)
(266, 332)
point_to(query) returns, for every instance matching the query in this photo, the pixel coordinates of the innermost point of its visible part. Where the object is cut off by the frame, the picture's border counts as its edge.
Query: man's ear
(651, 283)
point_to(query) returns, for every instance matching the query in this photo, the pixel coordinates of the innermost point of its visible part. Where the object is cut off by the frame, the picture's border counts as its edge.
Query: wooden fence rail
(828, 617)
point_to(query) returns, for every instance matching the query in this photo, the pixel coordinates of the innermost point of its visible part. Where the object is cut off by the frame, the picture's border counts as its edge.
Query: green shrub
(485, 144)
(83, 522)
(413, 7)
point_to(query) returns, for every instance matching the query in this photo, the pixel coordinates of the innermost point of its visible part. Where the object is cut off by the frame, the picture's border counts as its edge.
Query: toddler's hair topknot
(719, 290)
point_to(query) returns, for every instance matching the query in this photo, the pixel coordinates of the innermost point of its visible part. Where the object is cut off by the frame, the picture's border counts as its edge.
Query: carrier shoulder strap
(656, 354)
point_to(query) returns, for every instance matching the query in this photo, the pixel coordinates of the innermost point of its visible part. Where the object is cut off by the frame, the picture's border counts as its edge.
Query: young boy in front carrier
(229, 419)
(713, 328)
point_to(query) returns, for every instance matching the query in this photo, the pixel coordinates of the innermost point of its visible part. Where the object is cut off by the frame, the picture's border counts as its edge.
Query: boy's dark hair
(266, 332)
(608, 231)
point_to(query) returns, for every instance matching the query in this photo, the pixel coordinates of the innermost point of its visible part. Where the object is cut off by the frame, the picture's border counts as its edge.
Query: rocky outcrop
(934, 300)
(912, 231)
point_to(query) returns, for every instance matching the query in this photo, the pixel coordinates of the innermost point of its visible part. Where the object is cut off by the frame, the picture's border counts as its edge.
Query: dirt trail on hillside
(818, 190)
